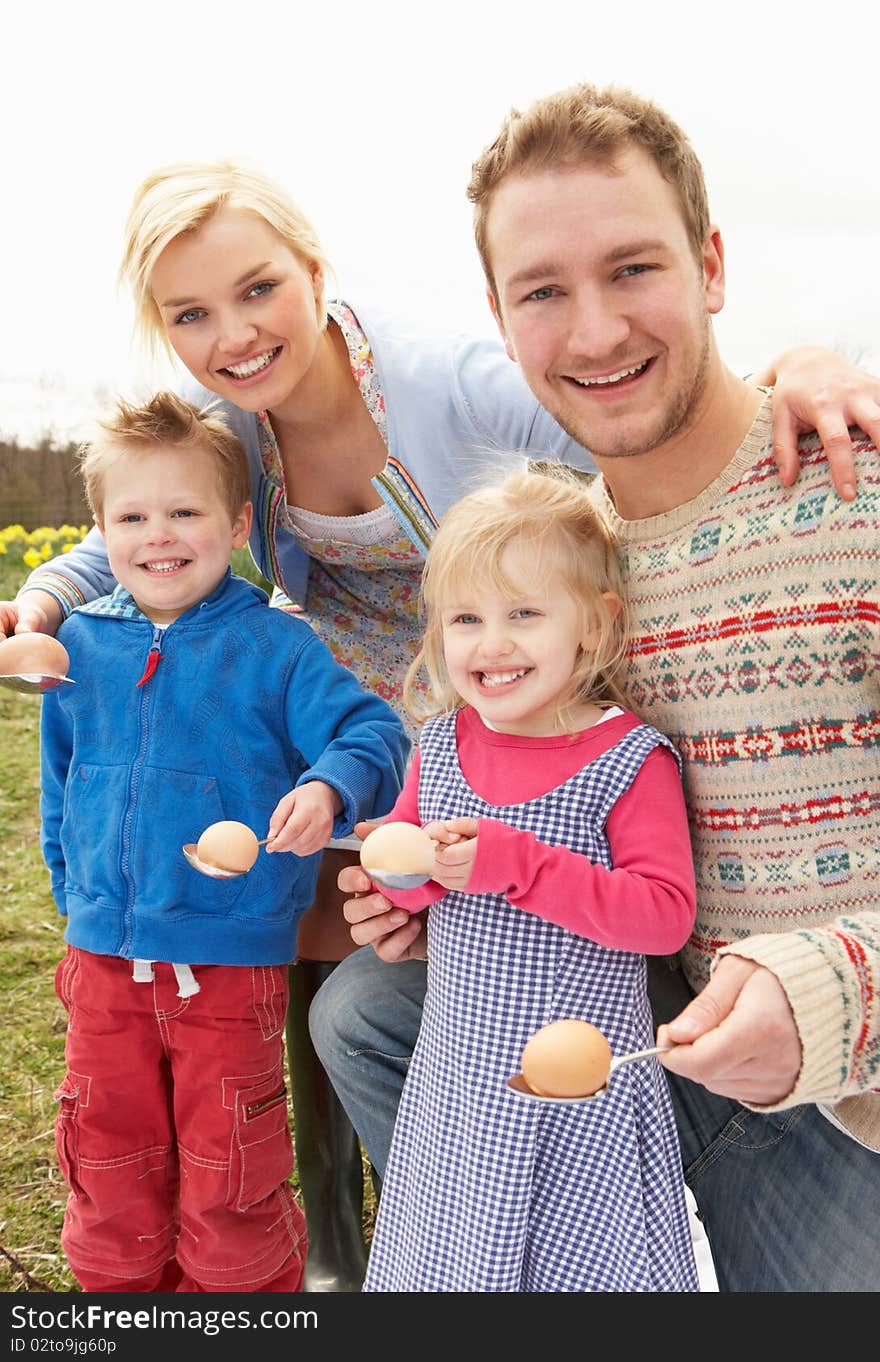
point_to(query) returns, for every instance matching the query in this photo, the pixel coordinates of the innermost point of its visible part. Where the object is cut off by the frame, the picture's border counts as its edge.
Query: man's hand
(816, 389)
(393, 933)
(738, 1037)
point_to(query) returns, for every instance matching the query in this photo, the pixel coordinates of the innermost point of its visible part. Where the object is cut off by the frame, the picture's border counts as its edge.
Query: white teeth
(610, 378)
(166, 566)
(252, 366)
(501, 678)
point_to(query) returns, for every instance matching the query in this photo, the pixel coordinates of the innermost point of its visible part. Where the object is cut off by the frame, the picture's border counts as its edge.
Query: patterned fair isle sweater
(756, 648)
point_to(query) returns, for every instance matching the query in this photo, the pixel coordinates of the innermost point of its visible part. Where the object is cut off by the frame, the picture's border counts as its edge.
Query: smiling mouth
(619, 379)
(492, 679)
(249, 367)
(164, 568)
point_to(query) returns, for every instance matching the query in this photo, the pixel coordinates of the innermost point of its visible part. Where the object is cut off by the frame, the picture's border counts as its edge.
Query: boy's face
(168, 530)
(602, 302)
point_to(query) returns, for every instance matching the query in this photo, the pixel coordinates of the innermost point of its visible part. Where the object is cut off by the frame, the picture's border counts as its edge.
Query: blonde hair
(165, 422)
(181, 198)
(553, 515)
(585, 125)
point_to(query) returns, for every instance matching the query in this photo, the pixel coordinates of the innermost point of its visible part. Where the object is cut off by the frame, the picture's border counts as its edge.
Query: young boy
(193, 703)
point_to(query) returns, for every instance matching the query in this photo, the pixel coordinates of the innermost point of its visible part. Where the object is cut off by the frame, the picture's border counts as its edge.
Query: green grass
(32, 1190)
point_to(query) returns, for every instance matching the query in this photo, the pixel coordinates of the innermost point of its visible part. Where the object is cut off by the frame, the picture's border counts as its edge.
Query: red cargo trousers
(172, 1130)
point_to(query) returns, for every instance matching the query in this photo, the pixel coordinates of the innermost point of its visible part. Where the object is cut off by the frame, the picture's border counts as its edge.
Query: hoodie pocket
(117, 832)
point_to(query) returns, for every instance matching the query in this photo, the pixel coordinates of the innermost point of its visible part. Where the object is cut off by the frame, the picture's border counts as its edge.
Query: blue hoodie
(139, 757)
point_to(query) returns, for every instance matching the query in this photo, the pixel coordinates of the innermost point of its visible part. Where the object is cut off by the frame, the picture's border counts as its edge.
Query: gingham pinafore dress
(487, 1192)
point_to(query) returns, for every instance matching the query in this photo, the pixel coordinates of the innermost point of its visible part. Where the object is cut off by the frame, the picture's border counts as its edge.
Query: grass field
(32, 1191)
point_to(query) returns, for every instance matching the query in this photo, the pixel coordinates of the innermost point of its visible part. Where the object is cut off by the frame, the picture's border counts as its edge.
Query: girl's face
(240, 308)
(511, 657)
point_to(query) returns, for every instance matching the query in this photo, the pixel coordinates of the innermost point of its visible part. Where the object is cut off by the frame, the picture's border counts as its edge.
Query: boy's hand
(816, 389)
(456, 850)
(302, 822)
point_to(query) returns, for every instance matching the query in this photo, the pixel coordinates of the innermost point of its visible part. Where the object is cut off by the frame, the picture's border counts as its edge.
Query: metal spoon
(518, 1084)
(395, 879)
(34, 683)
(213, 871)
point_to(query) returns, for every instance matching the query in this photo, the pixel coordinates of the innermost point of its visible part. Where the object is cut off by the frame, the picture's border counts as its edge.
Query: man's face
(602, 302)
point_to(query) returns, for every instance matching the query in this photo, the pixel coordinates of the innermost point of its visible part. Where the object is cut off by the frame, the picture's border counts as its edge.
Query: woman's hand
(816, 389)
(36, 612)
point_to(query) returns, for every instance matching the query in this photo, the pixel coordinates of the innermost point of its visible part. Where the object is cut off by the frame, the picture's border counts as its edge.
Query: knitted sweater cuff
(814, 995)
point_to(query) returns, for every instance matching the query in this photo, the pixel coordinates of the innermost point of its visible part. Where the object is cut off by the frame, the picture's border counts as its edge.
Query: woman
(358, 438)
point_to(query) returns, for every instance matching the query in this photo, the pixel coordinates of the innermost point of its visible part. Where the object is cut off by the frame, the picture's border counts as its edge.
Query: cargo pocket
(270, 997)
(262, 1151)
(65, 975)
(66, 1131)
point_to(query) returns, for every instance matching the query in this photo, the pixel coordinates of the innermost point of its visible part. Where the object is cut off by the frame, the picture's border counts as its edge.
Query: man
(755, 616)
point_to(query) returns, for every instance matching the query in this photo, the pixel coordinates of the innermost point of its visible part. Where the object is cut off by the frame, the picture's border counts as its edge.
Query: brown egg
(400, 847)
(566, 1059)
(33, 655)
(228, 846)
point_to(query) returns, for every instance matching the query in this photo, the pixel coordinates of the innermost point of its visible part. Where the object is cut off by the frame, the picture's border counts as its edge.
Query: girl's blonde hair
(552, 514)
(181, 198)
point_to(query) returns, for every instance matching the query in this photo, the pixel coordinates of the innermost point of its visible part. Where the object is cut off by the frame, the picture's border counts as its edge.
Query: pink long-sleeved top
(645, 903)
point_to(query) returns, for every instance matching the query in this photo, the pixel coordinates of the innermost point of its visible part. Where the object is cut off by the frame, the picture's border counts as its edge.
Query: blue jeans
(789, 1202)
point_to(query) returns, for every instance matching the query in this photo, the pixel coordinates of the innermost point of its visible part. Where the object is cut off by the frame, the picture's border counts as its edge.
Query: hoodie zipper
(154, 657)
(144, 700)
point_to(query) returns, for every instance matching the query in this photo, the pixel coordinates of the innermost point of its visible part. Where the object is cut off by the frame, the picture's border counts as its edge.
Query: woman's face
(240, 308)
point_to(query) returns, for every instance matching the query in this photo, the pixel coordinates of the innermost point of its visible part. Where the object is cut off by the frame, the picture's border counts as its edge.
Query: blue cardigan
(459, 414)
(245, 703)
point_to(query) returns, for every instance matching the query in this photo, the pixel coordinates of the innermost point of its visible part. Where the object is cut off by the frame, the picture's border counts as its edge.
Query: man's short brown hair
(585, 125)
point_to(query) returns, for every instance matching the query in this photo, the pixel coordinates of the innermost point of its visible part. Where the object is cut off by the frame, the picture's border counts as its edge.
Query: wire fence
(40, 485)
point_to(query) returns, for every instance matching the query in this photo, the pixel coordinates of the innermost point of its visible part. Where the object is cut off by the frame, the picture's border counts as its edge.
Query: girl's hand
(456, 851)
(816, 389)
(302, 821)
(451, 830)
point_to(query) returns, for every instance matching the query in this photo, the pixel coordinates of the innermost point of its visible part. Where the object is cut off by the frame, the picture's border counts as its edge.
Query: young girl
(563, 857)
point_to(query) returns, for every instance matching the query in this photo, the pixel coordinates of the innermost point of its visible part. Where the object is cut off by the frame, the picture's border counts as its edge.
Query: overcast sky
(371, 114)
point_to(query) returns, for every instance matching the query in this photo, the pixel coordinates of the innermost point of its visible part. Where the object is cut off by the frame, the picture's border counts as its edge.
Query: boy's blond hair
(181, 198)
(584, 125)
(554, 516)
(165, 422)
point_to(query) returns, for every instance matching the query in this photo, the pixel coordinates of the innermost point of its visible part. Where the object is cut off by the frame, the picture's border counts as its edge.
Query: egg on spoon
(33, 661)
(568, 1058)
(398, 855)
